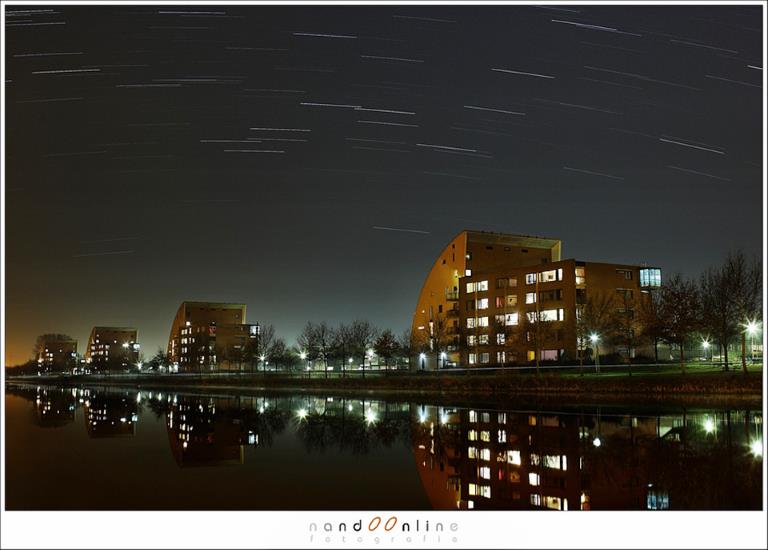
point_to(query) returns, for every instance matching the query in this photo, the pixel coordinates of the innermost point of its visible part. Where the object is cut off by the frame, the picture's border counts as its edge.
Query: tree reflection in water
(572, 458)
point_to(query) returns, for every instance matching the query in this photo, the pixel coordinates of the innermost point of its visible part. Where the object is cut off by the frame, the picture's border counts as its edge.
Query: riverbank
(706, 386)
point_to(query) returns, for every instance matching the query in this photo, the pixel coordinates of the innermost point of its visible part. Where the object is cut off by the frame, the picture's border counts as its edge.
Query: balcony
(453, 312)
(452, 295)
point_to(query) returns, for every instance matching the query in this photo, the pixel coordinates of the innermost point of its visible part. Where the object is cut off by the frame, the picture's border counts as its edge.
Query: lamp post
(705, 345)
(594, 338)
(303, 356)
(752, 329)
(443, 357)
(422, 360)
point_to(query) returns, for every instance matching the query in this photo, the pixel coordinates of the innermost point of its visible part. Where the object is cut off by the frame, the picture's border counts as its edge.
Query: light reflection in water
(460, 457)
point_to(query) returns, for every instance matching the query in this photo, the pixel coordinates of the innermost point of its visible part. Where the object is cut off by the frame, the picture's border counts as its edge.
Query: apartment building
(56, 353)
(208, 335)
(493, 299)
(112, 348)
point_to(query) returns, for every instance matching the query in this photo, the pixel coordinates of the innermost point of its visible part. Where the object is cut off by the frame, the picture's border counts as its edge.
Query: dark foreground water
(118, 449)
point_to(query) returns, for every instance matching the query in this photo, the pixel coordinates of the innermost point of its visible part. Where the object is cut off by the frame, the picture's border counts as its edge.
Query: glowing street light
(596, 442)
(303, 355)
(370, 416)
(422, 360)
(302, 414)
(753, 327)
(709, 425)
(443, 357)
(756, 448)
(705, 344)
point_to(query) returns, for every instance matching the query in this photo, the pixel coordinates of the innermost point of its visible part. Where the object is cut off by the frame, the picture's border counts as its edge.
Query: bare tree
(267, 340)
(386, 346)
(746, 278)
(595, 317)
(718, 308)
(362, 336)
(626, 326)
(651, 326)
(315, 340)
(680, 312)
(406, 345)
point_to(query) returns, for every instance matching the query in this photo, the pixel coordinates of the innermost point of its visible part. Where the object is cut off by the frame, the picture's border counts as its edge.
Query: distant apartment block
(486, 292)
(112, 348)
(56, 353)
(206, 336)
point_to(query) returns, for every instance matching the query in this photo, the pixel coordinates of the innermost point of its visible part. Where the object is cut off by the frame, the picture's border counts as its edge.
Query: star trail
(311, 161)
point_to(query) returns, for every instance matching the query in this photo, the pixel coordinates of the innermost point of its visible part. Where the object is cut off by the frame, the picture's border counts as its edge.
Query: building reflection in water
(199, 435)
(54, 407)
(496, 459)
(110, 414)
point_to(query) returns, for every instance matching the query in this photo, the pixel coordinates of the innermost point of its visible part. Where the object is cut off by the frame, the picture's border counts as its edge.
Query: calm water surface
(119, 449)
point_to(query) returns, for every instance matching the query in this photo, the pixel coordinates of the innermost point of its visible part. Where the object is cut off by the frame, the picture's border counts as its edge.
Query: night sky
(276, 156)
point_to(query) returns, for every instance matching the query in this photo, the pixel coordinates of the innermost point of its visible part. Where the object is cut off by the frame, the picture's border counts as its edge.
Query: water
(124, 449)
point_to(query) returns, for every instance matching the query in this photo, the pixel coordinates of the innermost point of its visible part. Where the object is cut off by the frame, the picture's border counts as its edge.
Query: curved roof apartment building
(206, 335)
(486, 290)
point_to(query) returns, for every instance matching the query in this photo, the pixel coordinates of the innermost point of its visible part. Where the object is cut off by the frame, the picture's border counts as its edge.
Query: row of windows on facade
(510, 300)
(501, 338)
(512, 319)
(484, 358)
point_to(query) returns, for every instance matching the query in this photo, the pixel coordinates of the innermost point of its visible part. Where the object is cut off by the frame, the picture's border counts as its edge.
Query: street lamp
(422, 360)
(705, 345)
(752, 328)
(594, 338)
(443, 357)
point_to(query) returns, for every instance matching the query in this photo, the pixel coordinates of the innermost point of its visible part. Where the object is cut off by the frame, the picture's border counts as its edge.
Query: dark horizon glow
(312, 161)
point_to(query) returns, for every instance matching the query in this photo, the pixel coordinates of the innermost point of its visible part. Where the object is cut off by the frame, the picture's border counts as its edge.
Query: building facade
(112, 348)
(56, 353)
(495, 300)
(207, 336)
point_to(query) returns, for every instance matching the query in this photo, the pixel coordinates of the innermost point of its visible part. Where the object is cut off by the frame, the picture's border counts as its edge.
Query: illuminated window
(536, 500)
(483, 339)
(470, 322)
(482, 285)
(485, 357)
(482, 303)
(512, 300)
(485, 472)
(502, 418)
(548, 276)
(580, 276)
(472, 452)
(530, 278)
(554, 461)
(467, 272)
(501, 356)
(511, 319)
(502, 436)
(472, 435)
(650, 277)
(501, 338)
(472, 416)
(530, 297)
(485, 435)
(534, 479)
(485, 454)
(535, 459)
(553, 503)
(485, 491)
(470, 504)
(471, 339)
(482, 321)
(471, 287)
(512, 281)
(472, 489)
(499, 318)
(472, 358)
